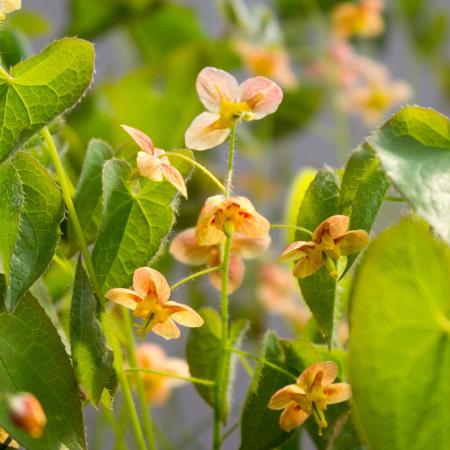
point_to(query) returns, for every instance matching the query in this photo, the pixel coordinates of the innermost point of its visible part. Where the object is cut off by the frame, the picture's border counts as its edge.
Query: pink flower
(152, 163)
(149, 299)
(185, 248)
(227, 102)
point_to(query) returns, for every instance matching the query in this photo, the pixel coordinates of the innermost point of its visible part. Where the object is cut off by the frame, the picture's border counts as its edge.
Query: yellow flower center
(379, 100)
(152, 309)
(231, 112)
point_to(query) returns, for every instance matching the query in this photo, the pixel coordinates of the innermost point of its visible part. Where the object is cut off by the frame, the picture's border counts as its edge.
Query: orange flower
(221, 216)
(26, 413)
(158, 387)
(8, 6)
(331, 240)
(150, 299)
(310, 395)
(152, 163)
(228, 102)
(186, 249)
(363, 19)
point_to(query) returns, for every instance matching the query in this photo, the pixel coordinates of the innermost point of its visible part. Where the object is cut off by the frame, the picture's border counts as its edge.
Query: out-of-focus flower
(221, 216)
(4, 436)
(186, 249)
(227, 102)
(158, 387)
(278, 291)
(271, 61)
(331, 240)
(310, 395)
(362, 19)
(152, 163)
(26, 413)
(8, 6)
(149, 299)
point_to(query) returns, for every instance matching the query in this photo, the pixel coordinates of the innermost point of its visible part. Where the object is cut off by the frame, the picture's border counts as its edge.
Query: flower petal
(150, 356)
(185, 248)
(236, 272)
(205, 132)
(149, 166)
(292, 417)
(254, 226)
(285, 396)
(249, 247)
(167, 330)
(352, 242)
(141, 139)
(296, 250)
(309, 264)
(263, 96)
(205, 231)
(214, 85)
(175, 178)
(184, 315)
(146, 280)
(338, 392)
(336, 226)
(328, 370)
(124, 297)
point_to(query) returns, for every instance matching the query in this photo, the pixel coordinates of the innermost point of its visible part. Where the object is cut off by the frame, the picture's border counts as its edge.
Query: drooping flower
(26, 413)
(279, 293)
(310, 395)
(227, 102)
(149, 299)
(221, 216)
(185, 248)
(271, 61)
(152, 162)
(8, 6)
(158, 387)
(362, 19)
(331, 240)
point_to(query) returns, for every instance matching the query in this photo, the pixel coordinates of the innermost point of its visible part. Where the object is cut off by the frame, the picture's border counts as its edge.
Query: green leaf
(34, 360)
(91, 356)
(414, 150)
(134, 224)
(320, 289)
(363, 188)
(204, 351)
(31, 209)
(400, 340)
(41, 88)
(88, 196)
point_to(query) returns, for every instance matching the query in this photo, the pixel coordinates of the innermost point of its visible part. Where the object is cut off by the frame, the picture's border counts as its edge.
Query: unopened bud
(26, 413)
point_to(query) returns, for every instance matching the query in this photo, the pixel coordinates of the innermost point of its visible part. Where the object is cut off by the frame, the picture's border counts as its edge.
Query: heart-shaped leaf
(41, 88)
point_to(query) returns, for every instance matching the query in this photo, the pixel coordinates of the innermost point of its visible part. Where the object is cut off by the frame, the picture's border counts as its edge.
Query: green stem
(263, 361)
(115, 427)
(295, 227)
(231, 161)
(81, 241)
(145, 408)
(391, 198)
(8, 78)
(172, 375)
(230, 431)
(199, 166)
(248, 368)
(194, 276)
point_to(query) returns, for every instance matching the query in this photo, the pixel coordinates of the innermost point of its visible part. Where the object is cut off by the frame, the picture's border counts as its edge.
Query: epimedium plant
(118, 219)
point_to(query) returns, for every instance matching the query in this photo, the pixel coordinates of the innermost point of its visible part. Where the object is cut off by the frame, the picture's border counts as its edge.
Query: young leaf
(204, 351)
(41, 88)
(399, 340)
(31, 209)
(34, 360)
(414, 150)
(134, 224)
(320, 289)
(91, 357)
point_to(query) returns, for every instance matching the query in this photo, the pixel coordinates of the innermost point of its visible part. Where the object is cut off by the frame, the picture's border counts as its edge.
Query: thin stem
(116, 428)
(172, 375)
(231, 161)
(262, 361)
(194, 276)
(248, 368)
(81, 241)
(145, 408)
(230, 431)
(391, 198)
(295, 227)
(199, 166)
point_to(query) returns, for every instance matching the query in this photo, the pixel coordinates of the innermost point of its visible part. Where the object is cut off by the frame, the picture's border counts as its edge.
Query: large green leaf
(41, 88)
(414, 150)
(400, 340)
(134, 224)
(204, 352)
(91, 357)
(31, 209)
(320, 289)
(33, 359)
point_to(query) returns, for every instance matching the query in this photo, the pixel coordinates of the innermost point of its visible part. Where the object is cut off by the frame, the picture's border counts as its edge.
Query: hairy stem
(295, 227)
(231, 150)
(194, 276)
(172, 375)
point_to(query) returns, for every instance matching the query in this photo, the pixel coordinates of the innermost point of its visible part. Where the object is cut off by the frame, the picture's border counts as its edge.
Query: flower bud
(26, 413)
